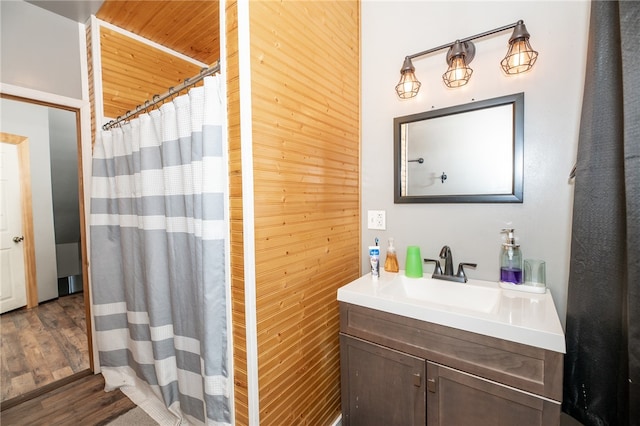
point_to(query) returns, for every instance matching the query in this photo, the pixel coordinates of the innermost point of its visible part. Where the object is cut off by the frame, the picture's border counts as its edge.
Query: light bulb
(458, 73)
(459, 69)
(520, 57)
(408, 86)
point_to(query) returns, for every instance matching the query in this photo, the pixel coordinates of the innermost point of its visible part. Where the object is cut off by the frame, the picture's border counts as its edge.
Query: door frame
(28, 245)
(82, 110)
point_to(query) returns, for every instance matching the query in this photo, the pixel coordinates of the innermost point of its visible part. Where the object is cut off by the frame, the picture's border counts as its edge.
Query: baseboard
(338, 421)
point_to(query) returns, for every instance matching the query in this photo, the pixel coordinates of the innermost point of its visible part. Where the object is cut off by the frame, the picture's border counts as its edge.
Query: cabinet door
(380, 386)
(458, 398)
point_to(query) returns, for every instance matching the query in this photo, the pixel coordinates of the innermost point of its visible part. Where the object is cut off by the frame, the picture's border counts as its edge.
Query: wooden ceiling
(133, 72)
(186, 26)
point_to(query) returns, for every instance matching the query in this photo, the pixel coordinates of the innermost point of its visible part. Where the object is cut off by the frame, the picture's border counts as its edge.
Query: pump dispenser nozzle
(510, 238)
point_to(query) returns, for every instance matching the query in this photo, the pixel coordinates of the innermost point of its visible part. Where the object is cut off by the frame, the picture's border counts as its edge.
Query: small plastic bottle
(391, 262)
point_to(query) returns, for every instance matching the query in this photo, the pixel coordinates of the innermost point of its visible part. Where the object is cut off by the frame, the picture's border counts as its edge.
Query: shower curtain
(158, 241)
(602, 364)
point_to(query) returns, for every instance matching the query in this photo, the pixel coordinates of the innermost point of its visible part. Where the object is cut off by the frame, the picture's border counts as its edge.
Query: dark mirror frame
(516, 195)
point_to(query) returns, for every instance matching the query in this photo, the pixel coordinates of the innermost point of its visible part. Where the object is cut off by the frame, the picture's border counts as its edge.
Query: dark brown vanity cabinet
(401, 371)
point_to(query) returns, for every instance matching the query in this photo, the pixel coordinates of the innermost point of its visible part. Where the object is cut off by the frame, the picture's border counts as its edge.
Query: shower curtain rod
(159, 98)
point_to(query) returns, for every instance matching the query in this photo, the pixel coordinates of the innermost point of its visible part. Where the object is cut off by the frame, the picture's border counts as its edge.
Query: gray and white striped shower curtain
(158, 241)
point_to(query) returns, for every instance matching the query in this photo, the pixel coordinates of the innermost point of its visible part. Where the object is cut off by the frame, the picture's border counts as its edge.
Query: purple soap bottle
(511, 260)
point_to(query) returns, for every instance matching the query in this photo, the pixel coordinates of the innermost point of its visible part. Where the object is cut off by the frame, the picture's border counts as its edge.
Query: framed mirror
(470, 153)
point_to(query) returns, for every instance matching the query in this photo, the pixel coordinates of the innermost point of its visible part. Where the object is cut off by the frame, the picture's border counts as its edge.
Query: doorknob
(18, 239)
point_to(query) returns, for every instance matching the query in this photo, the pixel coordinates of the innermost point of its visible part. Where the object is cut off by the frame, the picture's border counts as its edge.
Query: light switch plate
(377, 219)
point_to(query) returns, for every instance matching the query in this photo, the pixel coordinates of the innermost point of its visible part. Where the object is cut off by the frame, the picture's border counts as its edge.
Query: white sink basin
(477, 306)
(447, 294)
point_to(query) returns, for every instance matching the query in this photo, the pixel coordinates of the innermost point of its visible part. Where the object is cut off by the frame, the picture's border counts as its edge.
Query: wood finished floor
(81, 402)
(42, 345)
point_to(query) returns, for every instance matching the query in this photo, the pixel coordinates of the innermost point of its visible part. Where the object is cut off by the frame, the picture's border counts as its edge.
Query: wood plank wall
(241, 399)
(305, 104)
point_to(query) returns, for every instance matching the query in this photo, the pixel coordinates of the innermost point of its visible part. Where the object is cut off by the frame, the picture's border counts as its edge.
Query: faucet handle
(461, 266)
(437, 270)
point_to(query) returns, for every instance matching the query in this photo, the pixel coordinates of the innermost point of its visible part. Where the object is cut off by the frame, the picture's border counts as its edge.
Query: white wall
(553, 96)
(40, 50)
(32, 121)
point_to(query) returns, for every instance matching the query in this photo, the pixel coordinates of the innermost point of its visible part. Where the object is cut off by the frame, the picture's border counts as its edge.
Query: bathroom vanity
(423, 351)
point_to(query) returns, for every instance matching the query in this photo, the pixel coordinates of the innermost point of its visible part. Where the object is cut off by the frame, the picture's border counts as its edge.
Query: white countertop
(512, 315)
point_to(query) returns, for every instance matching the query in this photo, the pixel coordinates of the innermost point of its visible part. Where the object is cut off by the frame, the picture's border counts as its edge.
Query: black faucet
(445, 254)
(447, 274)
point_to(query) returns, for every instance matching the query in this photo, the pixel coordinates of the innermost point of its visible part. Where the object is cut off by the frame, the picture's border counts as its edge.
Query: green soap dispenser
(511, 260)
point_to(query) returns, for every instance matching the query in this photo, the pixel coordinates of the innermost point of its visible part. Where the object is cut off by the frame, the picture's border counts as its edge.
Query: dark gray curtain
(602, 364)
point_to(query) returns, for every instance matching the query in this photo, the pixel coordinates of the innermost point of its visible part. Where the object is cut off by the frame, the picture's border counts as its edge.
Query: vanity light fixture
(458, 58)
(519, 58)
(409, 85)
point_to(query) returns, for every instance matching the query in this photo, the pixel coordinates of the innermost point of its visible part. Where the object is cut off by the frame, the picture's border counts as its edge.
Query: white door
(13, 292)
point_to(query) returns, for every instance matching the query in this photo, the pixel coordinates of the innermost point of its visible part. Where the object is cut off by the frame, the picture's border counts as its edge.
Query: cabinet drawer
(525, 367)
